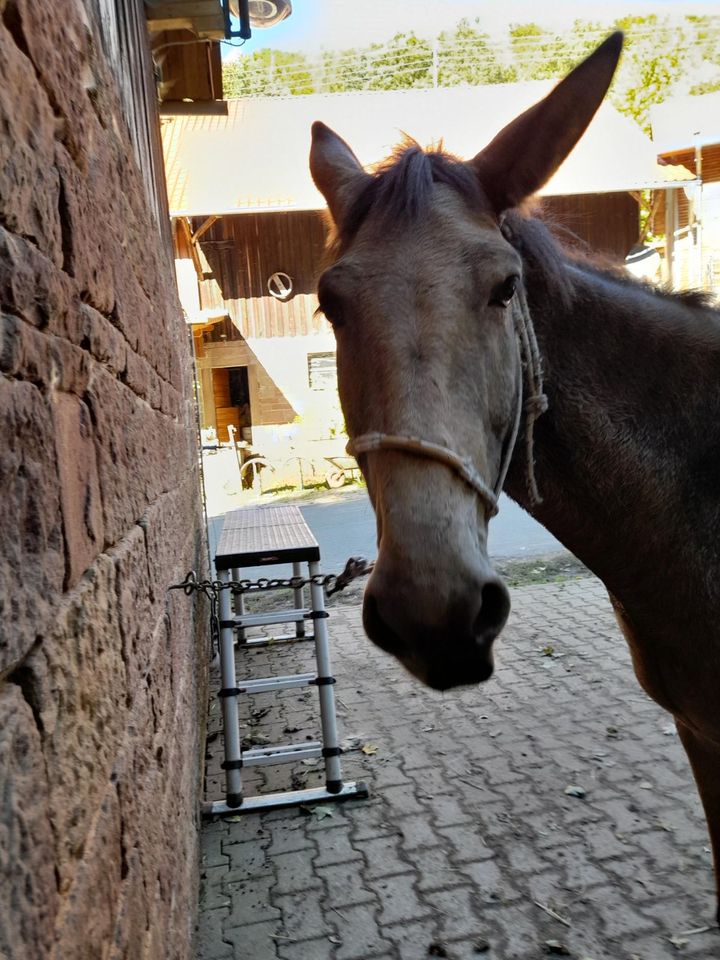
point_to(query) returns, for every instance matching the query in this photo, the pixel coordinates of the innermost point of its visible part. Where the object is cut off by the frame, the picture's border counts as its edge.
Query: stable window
(322, 371)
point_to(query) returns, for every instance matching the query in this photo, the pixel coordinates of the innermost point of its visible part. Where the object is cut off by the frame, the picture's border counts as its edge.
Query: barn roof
(255, 158)
(685, 122)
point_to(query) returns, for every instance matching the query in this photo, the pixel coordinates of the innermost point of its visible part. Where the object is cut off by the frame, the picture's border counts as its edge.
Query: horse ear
(336, 170)
(528, 151)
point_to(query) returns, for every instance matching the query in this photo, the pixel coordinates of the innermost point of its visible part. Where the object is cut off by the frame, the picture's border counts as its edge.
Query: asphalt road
(344, 526)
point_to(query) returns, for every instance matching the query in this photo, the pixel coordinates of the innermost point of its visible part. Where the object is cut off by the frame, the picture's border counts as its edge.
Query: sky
(338, 24)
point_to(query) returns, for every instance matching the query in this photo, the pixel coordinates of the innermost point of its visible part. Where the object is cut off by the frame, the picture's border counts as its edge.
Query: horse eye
(332, 311)
(330, 303)
(504, 292)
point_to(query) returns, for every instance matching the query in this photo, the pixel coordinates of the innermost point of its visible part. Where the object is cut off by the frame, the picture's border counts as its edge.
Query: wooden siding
(609, 223)
(710, 174)
(240, 253)
(710, 161)
(190, 69)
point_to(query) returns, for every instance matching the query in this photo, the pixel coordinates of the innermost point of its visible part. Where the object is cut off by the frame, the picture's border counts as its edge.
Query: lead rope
(536, 402)
(530, 363)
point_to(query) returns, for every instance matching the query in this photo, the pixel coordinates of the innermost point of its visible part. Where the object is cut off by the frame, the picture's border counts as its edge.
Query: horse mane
(400, 190)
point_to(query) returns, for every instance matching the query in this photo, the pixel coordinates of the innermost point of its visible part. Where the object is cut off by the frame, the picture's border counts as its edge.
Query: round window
(280, 286)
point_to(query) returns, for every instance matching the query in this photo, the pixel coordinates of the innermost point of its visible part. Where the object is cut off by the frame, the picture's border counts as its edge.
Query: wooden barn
(686, 130)
(249, 228)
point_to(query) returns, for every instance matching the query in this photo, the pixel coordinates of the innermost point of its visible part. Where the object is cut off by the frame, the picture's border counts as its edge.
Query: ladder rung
(267, 684)
(264, 619)
(271, 641)
(283, 754)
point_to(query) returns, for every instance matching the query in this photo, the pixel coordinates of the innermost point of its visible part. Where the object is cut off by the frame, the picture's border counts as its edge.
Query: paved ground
(469, 828)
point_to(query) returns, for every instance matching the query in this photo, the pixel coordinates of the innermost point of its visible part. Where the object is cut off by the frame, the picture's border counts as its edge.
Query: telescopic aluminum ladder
(256, 537)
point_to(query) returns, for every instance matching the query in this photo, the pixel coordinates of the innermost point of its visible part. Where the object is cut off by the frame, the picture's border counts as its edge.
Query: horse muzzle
(443, 645)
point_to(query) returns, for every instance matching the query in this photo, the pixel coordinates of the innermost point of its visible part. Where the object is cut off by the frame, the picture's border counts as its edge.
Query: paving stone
(435, 870)
(447, 810)
(492, 883)
(466, 842)
(399, 899)
(456, 912)
(411, 939)
(336, 847)
(211, 941)
(251, 902)
(247, 859)
(361, 936)
(419, 832)
(213, 877)
(255, 940)
(304, 916)
(402, 801)
(383, 856)
(289, 836)
(295, 872)
(346, 884)
(322, 948)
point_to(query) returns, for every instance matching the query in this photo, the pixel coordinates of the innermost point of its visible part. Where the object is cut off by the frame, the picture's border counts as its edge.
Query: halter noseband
(535, 404)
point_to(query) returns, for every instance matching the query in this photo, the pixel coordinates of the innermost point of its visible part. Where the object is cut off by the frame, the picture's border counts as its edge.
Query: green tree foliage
(271, 73)
(654, 59)
(404, 63)
(467, 55)
(659, 55)
(539, 54)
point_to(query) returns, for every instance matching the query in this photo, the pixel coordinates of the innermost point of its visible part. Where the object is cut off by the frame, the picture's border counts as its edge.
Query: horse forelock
(401, 188)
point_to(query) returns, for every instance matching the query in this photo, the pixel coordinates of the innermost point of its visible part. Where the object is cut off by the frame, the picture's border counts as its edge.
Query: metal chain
(331, 582)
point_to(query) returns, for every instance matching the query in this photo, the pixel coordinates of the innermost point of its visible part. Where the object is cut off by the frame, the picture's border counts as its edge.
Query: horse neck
(627, 454)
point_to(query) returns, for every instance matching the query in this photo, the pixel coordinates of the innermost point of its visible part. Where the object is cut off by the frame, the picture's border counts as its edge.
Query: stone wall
(102, 681)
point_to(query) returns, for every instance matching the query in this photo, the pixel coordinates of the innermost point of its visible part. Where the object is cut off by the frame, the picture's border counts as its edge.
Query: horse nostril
(376, 627)
(494, 610)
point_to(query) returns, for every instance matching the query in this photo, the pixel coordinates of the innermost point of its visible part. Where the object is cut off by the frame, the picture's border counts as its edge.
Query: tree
(267, 73)
(467, 55)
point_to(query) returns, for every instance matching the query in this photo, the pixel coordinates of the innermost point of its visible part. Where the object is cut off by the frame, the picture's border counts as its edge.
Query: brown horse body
(428, 254)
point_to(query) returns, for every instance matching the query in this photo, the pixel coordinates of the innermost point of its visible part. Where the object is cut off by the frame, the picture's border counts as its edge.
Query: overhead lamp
(254, 13)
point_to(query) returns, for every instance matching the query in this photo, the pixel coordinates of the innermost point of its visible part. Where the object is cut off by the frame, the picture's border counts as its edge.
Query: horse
(477, 352)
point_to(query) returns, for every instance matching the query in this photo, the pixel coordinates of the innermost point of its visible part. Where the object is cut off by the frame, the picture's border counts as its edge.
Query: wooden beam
(204, 227)
(185, 221)
(169, 10)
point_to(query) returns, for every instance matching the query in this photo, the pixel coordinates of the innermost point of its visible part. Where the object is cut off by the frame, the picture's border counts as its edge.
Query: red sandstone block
(89, 909)
(102, 339)
(28, 898)
(68, 77)
(29, 188)
(81, 699)
(79, 485)
(90, 244)
(34, 288)
(141, 454)
(32, 566)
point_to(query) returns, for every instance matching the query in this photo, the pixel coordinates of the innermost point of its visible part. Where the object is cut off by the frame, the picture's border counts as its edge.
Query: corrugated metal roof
(256, 157)
(684, 122)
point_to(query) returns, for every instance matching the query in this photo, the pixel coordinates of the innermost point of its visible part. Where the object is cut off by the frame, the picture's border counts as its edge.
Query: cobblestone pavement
(469, 842)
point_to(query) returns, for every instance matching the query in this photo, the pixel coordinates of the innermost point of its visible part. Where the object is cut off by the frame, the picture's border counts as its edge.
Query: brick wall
(102, 685)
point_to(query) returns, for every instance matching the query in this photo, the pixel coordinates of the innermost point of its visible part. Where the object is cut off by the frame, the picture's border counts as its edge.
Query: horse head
(420, 297)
